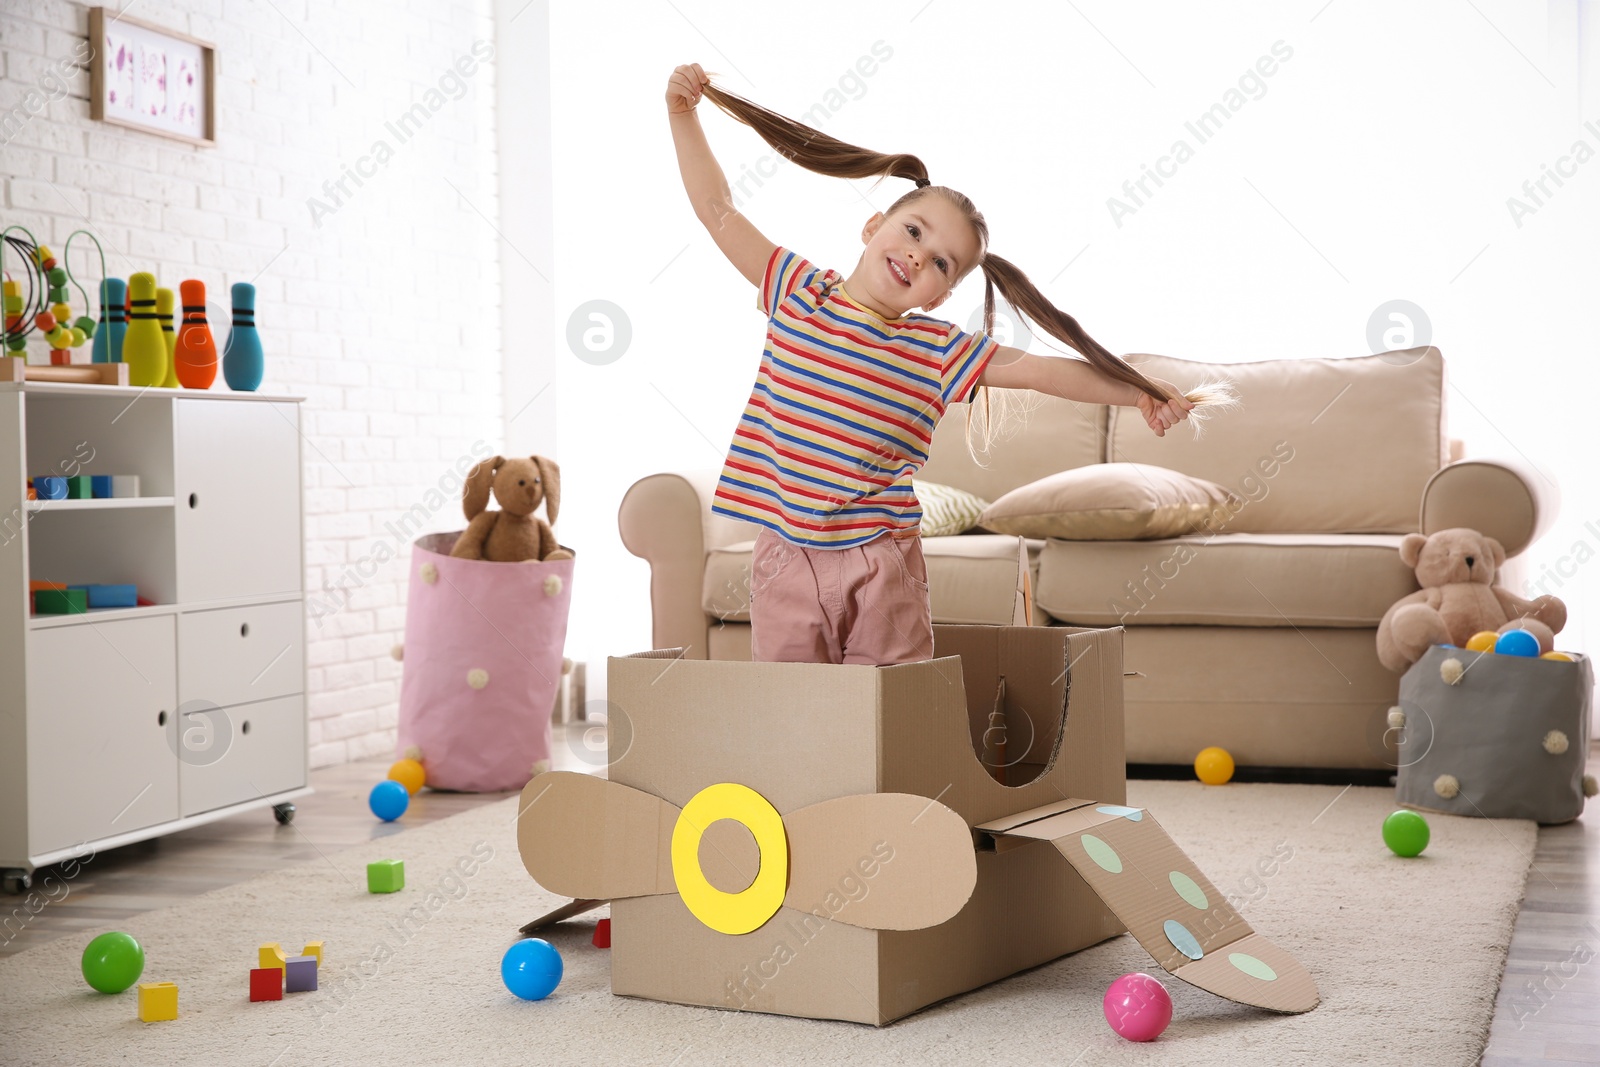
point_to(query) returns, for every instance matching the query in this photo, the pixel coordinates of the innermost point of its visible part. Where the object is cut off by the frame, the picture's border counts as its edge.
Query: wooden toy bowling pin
(196, 352)
(243, 361)
(144, 350)
(164, 303)
(113, 321)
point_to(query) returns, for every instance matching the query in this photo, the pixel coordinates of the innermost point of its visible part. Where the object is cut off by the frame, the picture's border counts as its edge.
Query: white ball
(477, 677)
(1397, 718)
(1446, 786)
(1451, 670)
(1555, 742)
(552, 585)
(430, 573)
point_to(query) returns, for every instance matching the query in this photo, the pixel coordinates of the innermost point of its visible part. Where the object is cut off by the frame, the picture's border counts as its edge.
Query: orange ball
(1483, 641)
(409, 773)
(1213, 766)
(1562, 656)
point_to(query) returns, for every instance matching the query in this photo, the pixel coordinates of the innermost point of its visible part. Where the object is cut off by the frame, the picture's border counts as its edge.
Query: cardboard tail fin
(1167, 904)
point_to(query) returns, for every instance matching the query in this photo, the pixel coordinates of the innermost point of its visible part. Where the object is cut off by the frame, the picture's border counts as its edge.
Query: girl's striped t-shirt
(842, 412)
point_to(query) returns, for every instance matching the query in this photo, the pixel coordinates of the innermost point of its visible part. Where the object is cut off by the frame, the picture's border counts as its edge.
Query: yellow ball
(1213, 766)
(62, 313)
(409, 773)
(1482, 641)
(1562, 656)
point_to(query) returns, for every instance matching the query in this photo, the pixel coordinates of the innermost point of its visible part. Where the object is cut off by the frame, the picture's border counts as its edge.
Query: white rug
(1407, 955)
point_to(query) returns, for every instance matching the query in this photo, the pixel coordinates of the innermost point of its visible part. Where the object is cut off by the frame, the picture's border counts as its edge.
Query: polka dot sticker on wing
(1191, 893)
(1104, 856)
(1252, 966)
(1131, 814)
(1182, 939)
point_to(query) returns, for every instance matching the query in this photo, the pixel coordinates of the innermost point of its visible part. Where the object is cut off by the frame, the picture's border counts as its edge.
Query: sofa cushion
(971, 578)
(1319, 445)
(1111, 502)
(946, 510)
(1035, 434)
(1225, 580)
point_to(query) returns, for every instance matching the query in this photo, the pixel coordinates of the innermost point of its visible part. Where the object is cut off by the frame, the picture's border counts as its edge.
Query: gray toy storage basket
(1506, 740)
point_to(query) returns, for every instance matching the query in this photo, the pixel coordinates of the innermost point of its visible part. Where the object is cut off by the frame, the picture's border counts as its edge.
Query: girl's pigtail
(1209, 398)
(813, 149)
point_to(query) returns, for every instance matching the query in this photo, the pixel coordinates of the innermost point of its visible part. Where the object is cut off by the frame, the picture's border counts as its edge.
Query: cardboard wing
(1167, 904)
(591, 839)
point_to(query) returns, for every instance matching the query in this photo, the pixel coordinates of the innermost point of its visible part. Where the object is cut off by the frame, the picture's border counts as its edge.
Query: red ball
(45, 321)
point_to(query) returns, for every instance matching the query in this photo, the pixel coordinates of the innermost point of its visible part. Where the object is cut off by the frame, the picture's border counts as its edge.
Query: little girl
(851, 385)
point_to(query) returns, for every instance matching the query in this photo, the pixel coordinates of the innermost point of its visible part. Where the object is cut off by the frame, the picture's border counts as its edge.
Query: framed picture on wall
(151, 79)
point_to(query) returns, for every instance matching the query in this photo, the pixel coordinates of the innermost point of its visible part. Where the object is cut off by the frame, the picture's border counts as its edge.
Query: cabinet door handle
(244, 629)
(194, 500)
(161, 718)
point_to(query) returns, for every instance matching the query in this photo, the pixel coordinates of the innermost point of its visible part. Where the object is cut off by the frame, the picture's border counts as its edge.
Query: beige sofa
(1258, 638)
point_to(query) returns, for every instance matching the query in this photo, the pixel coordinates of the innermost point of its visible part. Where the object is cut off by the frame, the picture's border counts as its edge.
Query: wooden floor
(1548, 1010)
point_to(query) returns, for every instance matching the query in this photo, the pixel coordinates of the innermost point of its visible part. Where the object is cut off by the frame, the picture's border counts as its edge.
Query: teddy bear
(1458, 598)
(514, 534)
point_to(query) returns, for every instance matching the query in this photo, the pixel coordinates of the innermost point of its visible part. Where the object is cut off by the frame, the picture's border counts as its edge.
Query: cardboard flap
(1252, 970)
(566, 911)
(581, 836)
(1169, 906)
(883, 861)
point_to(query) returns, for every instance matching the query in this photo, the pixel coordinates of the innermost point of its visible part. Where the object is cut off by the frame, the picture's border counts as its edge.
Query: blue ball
(388, 800)
(1517, 643)
(531, 968)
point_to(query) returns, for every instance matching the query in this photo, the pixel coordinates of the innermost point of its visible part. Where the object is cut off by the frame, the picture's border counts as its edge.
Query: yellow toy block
(272, 955)
(158, 1001)
(313, 948)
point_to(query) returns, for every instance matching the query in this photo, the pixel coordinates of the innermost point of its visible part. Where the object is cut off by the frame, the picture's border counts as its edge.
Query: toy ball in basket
(486, 622)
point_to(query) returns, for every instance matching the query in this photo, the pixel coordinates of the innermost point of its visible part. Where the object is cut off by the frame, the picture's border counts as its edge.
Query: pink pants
(865, 604)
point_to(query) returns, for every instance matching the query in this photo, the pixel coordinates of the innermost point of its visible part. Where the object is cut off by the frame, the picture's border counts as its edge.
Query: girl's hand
(1164, 416)
(684, 88)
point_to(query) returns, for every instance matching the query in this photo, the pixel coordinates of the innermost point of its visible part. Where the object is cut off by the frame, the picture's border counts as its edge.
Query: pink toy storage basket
(482, 660)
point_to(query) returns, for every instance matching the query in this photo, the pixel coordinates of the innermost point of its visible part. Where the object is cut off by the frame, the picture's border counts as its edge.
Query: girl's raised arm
(745, 246)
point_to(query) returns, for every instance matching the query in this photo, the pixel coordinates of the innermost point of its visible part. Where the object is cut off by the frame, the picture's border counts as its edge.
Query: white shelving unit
(127, 723)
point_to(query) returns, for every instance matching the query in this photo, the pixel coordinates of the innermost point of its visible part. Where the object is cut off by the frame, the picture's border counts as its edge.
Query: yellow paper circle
(731, 913)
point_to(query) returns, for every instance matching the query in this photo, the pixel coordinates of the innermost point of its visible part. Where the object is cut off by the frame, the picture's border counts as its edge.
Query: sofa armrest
(666, 520)
(1508, 499)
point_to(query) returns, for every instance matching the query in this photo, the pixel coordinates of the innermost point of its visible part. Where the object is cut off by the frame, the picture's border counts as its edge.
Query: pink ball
(1138, 1007)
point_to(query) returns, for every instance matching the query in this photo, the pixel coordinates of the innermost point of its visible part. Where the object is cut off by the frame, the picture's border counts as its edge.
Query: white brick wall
(385, 316)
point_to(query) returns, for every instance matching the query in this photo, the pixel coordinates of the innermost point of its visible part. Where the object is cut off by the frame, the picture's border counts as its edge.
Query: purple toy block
(300, 974)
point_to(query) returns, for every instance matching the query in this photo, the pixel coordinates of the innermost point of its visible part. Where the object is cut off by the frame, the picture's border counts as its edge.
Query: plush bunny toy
(513, 534)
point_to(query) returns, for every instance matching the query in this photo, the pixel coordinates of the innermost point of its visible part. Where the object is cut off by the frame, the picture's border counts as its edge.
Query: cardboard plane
(856, 842)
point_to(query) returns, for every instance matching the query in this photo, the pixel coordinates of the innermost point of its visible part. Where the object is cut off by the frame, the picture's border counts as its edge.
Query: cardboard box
(859, 812)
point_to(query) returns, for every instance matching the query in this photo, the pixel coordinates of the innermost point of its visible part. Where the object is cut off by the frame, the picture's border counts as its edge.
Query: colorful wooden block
(602, 934)
(60, 602)
(271, 955)
(266, 983)
(300, 974)
(158, 1001)
(110, 596)
(51, 488)
(386, 876)
(124, 485)
(79, 487)
(102, 486)
(313, 948)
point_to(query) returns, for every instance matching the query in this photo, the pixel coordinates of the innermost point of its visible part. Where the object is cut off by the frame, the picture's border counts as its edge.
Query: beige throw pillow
(946, 510)
(1109, 502)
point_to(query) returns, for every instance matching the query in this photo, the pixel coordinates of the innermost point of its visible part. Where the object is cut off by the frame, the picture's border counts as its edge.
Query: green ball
(112, 962)
(1406, 833)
